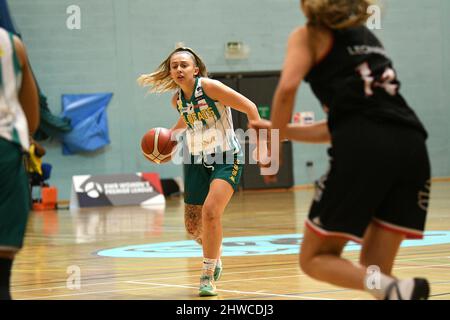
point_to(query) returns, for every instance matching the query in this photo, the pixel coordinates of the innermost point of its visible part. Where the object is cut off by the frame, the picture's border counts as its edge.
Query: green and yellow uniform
(214, 148)
(14, 191)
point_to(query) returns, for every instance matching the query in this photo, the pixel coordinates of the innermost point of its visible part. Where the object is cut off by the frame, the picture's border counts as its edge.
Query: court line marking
(440, 294)
(424, 258)
(440, 282)
(425, 266)
(81, 294)
(150, 286)
(139, 268)
(232, 273)
(399, 259)
(154, 279)
(233, 291)
(220, 290)
(228, 273)
(156, 285)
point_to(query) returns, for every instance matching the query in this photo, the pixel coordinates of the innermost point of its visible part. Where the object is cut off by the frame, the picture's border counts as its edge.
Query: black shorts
(379, 172)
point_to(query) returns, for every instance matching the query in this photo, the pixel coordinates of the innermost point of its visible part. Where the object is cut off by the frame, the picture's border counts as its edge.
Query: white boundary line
(155, 279)
(155, 285)
(144, 281)
(234, 291)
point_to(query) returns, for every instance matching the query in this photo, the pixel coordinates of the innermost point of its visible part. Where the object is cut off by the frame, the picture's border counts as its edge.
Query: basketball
(157, 146)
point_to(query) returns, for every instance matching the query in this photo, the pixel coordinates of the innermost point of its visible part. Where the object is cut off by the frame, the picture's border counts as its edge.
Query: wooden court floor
(60, 242)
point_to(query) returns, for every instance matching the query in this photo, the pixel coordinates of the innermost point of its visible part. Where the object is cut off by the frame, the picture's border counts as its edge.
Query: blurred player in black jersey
(376, 190)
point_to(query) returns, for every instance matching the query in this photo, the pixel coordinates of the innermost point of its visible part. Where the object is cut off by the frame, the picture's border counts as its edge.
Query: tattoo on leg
(193, 221)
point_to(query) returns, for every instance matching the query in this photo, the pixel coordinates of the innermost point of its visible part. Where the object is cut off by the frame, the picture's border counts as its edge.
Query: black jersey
(357, 77)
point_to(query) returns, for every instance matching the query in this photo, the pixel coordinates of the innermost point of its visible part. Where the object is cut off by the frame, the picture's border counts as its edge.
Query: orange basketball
(157, 146)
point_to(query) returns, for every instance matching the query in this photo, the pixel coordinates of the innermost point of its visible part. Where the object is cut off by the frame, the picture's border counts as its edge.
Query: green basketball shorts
(14, 197)
(203, 170)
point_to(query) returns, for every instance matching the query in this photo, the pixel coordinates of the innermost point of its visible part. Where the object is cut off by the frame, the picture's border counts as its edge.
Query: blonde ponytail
(160, 81)
(337, 14)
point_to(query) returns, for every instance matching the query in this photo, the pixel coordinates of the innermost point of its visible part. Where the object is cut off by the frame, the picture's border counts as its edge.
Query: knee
(210, 213)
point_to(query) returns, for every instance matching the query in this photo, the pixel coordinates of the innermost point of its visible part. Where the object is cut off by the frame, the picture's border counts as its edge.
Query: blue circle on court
(247, 246)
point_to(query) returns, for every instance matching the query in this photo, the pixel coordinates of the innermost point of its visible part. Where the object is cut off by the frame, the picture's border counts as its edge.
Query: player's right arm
(180, 125)
(28, 95)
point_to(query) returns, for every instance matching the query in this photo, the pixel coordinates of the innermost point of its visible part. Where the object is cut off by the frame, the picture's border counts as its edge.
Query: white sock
(208, 266)
(377, 283)
(405, 287)
(219, 263)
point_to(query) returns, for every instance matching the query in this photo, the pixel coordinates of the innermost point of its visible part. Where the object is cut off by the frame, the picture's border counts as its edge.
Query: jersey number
(386, 81)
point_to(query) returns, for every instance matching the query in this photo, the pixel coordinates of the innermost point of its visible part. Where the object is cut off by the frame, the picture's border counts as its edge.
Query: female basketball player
(19, 117)
(210, 180)
(376, 191)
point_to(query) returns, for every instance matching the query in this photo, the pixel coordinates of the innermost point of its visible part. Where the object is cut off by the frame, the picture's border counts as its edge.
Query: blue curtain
(87, 113)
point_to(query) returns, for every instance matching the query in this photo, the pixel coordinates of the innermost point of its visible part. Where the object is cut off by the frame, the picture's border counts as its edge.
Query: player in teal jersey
(204, 107)
(19, 117)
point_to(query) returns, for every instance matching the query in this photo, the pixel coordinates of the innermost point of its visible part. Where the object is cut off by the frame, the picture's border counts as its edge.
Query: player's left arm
(216, 90)
(313, 133)
(297, 63)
